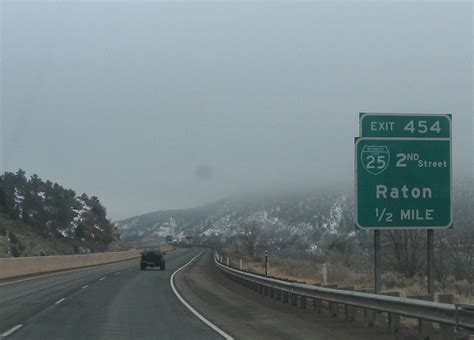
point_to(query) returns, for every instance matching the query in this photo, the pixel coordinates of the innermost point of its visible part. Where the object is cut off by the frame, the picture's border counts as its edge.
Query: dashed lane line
(10, 331)
(59, 301)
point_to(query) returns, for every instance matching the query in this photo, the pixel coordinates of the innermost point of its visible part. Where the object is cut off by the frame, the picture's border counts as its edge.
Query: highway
(115, 301)
(118, 301)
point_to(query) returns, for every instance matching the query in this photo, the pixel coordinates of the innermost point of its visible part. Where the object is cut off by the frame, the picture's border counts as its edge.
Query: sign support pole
(266, 262)
(430, 246)
(377, 258)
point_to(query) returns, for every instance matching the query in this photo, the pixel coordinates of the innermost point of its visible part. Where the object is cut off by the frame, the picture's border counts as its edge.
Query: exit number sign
(406, 125)
(403, 172)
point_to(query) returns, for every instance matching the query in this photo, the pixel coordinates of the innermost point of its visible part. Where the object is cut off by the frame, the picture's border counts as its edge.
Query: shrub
(446, 283)
(12, 237)
(14, 251)
(337, 273)
(463, 287)
(21, 247)
(391, 280)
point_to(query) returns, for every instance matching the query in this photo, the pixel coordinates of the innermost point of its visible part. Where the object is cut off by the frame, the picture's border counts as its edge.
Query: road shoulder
(245, 314)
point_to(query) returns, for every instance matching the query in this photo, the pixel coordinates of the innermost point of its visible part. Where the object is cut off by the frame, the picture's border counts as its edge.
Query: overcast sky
(169, 105)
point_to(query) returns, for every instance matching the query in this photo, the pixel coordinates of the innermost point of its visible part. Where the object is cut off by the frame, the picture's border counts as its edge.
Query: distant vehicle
(152, 258)
(188, 241)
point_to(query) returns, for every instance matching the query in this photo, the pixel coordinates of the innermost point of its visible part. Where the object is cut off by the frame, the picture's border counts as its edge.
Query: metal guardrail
(442, 313)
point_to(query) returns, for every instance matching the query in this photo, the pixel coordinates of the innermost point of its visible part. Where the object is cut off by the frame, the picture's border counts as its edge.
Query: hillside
(42, 218)
(303, 219)
(292, 219)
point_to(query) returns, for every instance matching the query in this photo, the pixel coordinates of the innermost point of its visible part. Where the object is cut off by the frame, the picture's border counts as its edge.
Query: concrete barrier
(22, 266)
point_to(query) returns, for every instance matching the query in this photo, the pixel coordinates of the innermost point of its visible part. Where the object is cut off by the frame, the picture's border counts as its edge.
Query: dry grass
(310, 272)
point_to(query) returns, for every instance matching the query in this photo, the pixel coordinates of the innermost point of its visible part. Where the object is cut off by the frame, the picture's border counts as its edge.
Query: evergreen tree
(52, 209)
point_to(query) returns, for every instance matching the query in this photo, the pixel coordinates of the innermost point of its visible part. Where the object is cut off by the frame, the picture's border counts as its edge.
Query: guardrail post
(260, 288)
(393, 319)
(333, 309)
(369, 317)
(332, 305)
(293, 299)
(425, 328)
(349, 311)
(369, 314)
(317, 305)
(446, 331)
(265, 290)
(285, 297)
(272, 293)
(278, 295)
(241, 265)
(302, 302)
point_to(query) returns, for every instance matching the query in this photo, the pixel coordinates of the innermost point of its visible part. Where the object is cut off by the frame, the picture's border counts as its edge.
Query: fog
(158, 105)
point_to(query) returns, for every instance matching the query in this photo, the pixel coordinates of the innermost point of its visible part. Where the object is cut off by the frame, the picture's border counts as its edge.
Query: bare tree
(404, 250)
(251, 232)
(462, 253)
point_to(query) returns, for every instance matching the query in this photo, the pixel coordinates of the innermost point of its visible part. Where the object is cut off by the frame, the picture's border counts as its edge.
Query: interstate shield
(375, 158)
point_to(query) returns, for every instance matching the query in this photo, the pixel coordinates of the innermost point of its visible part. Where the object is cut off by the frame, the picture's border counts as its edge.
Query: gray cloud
(127, 100)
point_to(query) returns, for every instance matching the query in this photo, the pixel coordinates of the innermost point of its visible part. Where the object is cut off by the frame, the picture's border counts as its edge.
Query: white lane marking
(117, 273)
(191, 309)
(11, 330)
(59, 301)
(102, 278)
(130, 269)
(84, 287)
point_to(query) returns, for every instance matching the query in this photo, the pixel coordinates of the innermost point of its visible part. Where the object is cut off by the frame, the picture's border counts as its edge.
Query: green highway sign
(405, 125)
(403, 183)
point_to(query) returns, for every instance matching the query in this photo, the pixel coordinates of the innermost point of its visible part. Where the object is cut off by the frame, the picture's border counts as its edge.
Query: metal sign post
(377, 267)
(266, 262)
(429, 247)
(403, 174)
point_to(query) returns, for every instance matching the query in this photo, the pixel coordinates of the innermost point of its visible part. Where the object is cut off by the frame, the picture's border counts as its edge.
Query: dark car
(152, 258)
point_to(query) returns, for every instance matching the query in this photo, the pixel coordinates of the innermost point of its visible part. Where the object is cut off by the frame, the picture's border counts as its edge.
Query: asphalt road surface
(116, 301)
(245, 314)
